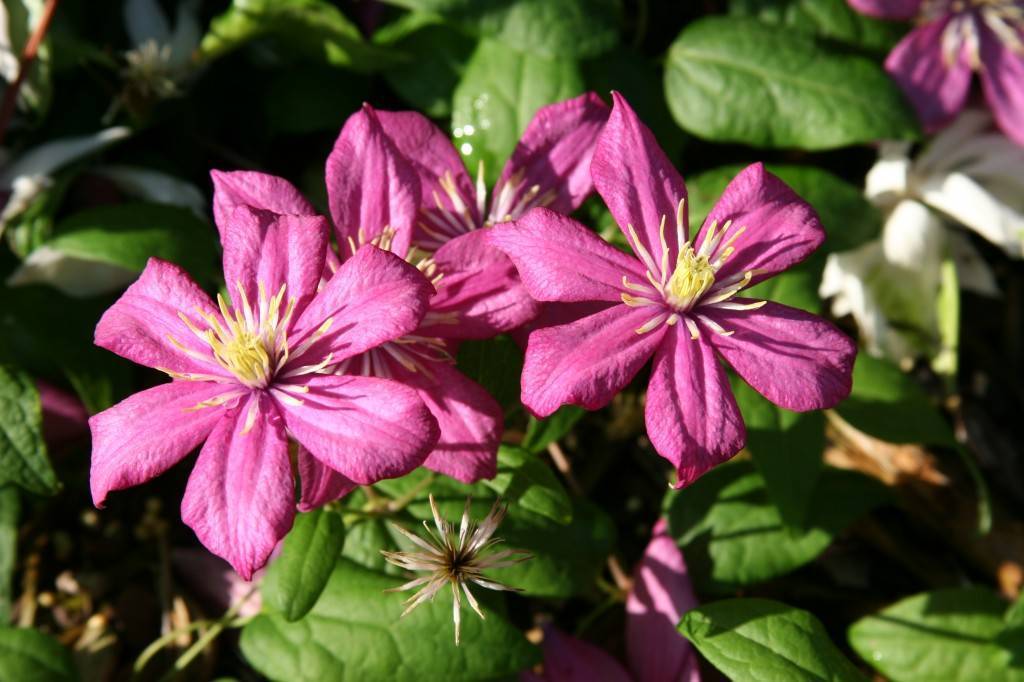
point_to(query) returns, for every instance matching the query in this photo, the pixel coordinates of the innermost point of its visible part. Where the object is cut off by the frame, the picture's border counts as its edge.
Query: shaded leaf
(23, 459)
(295, 580)
(30, 656)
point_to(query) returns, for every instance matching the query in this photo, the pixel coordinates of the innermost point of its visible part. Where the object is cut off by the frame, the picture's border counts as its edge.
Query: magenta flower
(655, 651)
(254, 370)
(933, 64)
(678, 300)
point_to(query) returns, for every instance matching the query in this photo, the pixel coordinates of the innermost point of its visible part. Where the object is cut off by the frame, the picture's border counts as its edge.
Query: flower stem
(28, 57)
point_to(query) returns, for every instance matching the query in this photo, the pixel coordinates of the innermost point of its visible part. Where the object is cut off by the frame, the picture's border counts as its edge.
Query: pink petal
(637, 181)
(147, 433)
(373, 298)
(240, 498)
(554, 155)
(560, 260)
(887, 9)
(936, 89)
(554, 314)
(692, 418)
(370, 185)
(661, 594)
(263, 248)
(1003, 82)
(65, 419)
(480, 289)
(469, 419)
(568, 659)
(139, 325)
(781, 228)
(256, 190)
(588, 361)
(797, 360)
(363, 427)
(212, 579)
(320, 483)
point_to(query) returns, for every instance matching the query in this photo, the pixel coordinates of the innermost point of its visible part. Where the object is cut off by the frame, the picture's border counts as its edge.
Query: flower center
(692, 277)
(1005, 18)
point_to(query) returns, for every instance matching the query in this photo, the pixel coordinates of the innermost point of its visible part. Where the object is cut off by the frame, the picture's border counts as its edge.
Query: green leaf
(10, 510)
(309, 98)
(733, 535)
(500, 91)
(764, 640)
(23, 459)
(526, 481)
(496, 365)
(542, 432)
(355, 633)
(888, 404)
(30, 656)
(947, 635)
(947, 314)
(739, 80)
(833, 19)
(295, 580)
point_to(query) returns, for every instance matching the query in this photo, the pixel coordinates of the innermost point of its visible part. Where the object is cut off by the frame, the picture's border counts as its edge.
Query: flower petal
(262, 191)
(637, 181)
(373, 298)
(370, 185)
(213, 580)
(936, 88)
(65, 419)
(661, 594)
(141, 324)
(797, 360)
(554, 154)
(568, 659)
(560, 260)
(147, 433)
(588, 361)
(320, 483)
(363, 427)
(781, 229)
(240, 498)
(887, 9)
(1001, 79)
(692, 418)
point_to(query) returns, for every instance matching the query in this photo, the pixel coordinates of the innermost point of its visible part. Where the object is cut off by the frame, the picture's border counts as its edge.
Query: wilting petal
(887, 9)
(1002, 79)
(213, 580)
(370, 186)
(374, 297)
(363, 427)
(692, 418)
(64, 416)
(936, 88)
(554, 155)
(141, 323)
(661, 594)
(320, 483)
(256, 190)
(149, 432)
(797, 360)
(240, 498)
(588, 361)
(560, 260)
(480, 294)
(637, 181)
(270, 249)
(568, 659)
(781, 229)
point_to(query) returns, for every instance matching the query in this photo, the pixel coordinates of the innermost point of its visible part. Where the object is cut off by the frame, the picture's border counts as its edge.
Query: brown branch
(28, 58)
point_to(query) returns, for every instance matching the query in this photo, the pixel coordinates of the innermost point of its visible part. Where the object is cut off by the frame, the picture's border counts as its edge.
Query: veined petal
(374, 297)
(240, 498)
(568, 659)
(887, 9)
(147, 433)
(363, 427)
(638, 182)
(560, 260)
(370, 185)
(140, 326)
(256, 190)
(320, 483)
(692, 418)
(797, 360)
(1001, 79)
(588, 361)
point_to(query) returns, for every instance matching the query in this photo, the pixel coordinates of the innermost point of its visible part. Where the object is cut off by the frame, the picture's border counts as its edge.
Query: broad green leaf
(500, 91)
(10, 510)
(30, 656)
(526, 481)
(888, 404)
(796, 287)
(23, 459)
(943, 636)
(542, 432)
(733, 535)
(832, 19)
(738, 80)
(766, 641)
(364, 538)
(295, 580)
(496, 365)
(355, 633)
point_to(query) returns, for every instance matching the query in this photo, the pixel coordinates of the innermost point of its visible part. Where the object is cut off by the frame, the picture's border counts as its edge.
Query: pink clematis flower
(933, 64)
(655, 651)
(677, 300)
(251, 371)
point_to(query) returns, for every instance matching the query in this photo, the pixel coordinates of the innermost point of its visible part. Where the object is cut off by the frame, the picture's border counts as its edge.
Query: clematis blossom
(255, 369)
(953, 38)
(677, 299)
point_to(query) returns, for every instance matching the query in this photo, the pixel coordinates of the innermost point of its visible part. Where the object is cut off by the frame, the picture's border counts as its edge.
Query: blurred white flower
(158, 62)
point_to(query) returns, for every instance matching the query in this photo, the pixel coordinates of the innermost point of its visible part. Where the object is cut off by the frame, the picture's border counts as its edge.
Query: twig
(28, 57)
(400, 503)
(564, 467)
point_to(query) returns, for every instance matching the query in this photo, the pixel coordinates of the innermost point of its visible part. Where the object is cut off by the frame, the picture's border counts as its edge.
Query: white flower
(158, 63)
